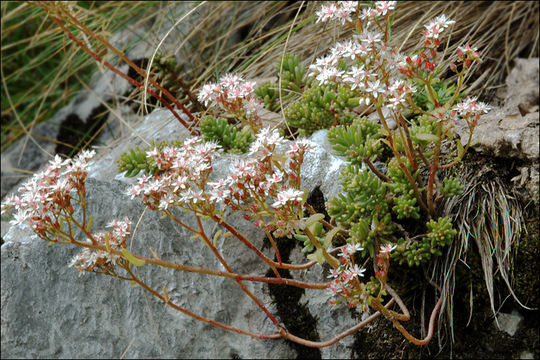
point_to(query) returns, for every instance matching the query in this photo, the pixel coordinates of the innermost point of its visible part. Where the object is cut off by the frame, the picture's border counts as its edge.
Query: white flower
(352, 248)
(374, 88)
(218, 195)
(287, 195)
(386, 249)
(165, 202)
(368, 13)
(335, 273)
(231, 80)
(326, 12)
(471, 107)
(384, 6)
(443, 21)
(436, 27)
(356, 271)
(20, 217)
(330, 75)
(86, 155)
(264, 140)
(371, 38)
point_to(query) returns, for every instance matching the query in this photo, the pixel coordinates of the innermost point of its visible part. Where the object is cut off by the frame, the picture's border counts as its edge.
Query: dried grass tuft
(490, 217)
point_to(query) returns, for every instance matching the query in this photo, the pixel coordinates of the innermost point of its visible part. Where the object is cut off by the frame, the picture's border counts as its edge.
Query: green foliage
(416, 253)
(229, 137)
(443, 90)
(363, 196)
(371, 207)
(293, 81)
(293, 76)
(405, 202)
(135, 160)
(269, 95)
(441, 231)
(308, 245)
(369, 230)
(452, 187)
(406, 207)
(421, 129)
(321, 107)
(358, 141)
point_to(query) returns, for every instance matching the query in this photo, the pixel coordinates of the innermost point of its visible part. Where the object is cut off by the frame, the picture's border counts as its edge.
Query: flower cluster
(412, 66)
(467, 54)
(346, 283)
(434, 30)
(471, 109)
(265, 175)
(104, 261)
(365, 64)
(344, 11)
(45, 200)
(268, 173)
(184, 173)
(234, 95)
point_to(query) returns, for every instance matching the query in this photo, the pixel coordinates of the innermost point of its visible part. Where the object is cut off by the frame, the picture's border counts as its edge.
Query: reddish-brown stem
(401, 164)
(116, 71)
(352, 330)
(422, 156)
(409, 141)
(433, 171)
(329, 258)
(276, 250)
(175, 219)
(282, 333)
(75, 22)
(198, 317)
(244, 288)
(378, 306)
(181, 267)
(200, 270)
(379, 174)
(200, 107)
(265, 258)
(462, 155)
(395, 318)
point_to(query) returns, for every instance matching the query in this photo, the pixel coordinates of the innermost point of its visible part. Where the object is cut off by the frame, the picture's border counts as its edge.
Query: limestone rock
(509, 323)
(511, 131)
(48, 310)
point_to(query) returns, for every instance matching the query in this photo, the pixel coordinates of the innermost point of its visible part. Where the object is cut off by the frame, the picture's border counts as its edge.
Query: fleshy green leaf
(314, 218)
(329, 236)
(132, 259)
(460, 148)
(427, 137)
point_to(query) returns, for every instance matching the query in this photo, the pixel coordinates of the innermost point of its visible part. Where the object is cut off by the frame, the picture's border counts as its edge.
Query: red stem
(131, 80)
(85, 29)
(198, 317)
(246, 290)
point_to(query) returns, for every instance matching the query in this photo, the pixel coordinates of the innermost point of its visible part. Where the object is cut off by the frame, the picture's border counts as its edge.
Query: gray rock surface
(509, 323)
(48, 310)
(512, 131)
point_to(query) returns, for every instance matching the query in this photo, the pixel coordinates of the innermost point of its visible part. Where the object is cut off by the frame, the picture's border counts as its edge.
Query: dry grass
(488, 216)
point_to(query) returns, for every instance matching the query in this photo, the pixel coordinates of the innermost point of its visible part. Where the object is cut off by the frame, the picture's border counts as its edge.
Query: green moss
(525, 269)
